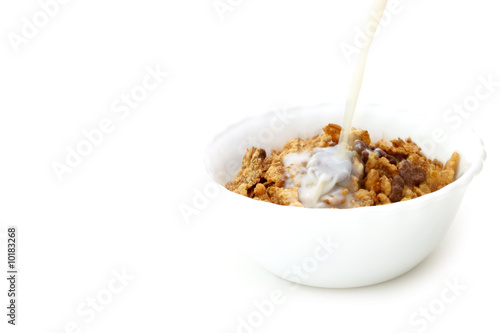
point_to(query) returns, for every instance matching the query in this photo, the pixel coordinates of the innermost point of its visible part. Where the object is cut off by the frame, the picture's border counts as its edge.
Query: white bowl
(341, 248)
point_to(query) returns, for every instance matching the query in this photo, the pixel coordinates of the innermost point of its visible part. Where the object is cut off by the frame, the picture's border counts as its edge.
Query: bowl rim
(474, 169)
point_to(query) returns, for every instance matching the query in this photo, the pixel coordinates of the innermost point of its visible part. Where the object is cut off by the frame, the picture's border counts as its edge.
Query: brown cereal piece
(423, 189)
(354, 184)
(385, 185)
(284, 196)
(412, 175)
(251, 192)
(419, 192)
(397, 186)
(382, 165)
(260, 189)
(250, 172)
(452, 163)
(274, 158)
(292, 146)
(276, 174)
(408, 193)
(267, 162)
(362, 149)
(358, 134)
(260, 192)
(333, 130)
(398, 148)
(358, 168)
(363, 198)
(383, 199)
(437, 163)
(372, 181)
(450, 170)
(319, 141)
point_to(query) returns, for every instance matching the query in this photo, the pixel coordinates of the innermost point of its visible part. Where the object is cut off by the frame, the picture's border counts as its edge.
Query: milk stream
(357, 79)
(323, 174)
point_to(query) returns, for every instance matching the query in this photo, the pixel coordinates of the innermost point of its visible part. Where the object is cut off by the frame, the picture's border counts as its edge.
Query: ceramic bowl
(341, 248)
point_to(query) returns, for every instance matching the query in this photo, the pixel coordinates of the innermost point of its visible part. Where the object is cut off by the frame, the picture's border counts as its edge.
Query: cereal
(397, 186)
(250, 172)
(381, 172)
(412, 175)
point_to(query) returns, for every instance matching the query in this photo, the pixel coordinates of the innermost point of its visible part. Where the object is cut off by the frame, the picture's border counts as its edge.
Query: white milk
(320, 175)
(357, 79)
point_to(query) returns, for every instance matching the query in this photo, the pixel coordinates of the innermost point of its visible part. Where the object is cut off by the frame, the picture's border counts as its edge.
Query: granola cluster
(382, 172)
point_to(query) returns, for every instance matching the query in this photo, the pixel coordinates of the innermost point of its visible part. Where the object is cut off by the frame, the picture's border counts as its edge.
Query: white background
(118, 211)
